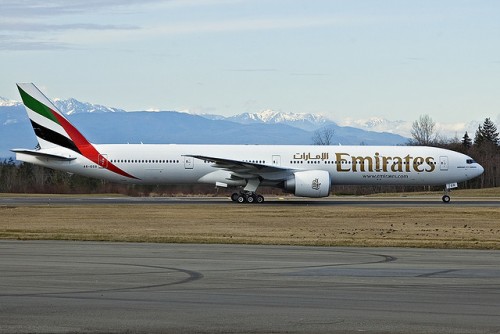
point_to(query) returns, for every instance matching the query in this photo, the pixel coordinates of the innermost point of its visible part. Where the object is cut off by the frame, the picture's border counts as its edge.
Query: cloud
(41, 27)
(26, 26)
(251, 70)
(11, 44)
(35, 24)
(36, 8)
(244, 24)
(309, 74)
(35, 36)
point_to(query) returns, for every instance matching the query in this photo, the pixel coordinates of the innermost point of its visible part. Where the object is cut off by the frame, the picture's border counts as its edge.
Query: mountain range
(101, 124)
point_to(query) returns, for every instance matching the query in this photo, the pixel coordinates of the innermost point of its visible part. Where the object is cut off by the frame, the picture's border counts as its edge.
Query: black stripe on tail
(54, 137)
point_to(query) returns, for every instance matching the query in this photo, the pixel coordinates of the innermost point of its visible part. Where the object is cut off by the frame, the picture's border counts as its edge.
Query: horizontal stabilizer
(38, 153)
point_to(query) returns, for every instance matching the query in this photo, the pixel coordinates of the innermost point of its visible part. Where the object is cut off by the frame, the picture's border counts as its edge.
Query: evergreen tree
(478, 137)
(466, 141)
(487, 133)
(490, 132)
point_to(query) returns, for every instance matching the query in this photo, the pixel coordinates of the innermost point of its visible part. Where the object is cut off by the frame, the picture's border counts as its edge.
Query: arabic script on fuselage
(346, 162)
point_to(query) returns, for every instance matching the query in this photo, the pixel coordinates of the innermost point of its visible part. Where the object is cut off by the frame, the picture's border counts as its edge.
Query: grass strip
(430, 227)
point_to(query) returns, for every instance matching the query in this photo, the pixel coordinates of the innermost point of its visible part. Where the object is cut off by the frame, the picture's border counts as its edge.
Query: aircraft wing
(247, 170)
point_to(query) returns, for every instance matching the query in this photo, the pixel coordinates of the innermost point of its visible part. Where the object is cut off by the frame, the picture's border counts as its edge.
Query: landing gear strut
(446, 198)
(447, 188)
(247, 197)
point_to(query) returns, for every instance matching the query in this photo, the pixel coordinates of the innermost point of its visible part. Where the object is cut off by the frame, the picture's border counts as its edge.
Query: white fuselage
(356, 165)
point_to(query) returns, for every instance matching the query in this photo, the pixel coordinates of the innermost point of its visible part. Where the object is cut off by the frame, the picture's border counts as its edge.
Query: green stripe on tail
(37, 106)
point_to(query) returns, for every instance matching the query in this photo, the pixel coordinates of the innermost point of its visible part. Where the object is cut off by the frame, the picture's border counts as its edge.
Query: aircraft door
(188, 162)
(102, 160)
(276, 160)
(443, 163)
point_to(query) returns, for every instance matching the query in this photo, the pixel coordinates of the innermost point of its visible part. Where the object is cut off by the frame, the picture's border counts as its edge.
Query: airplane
(303, 170)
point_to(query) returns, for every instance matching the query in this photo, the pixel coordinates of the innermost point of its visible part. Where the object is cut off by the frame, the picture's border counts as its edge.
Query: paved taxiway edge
(60, 287)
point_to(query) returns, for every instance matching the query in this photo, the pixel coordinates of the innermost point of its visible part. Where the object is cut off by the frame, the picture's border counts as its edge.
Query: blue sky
(343, 59)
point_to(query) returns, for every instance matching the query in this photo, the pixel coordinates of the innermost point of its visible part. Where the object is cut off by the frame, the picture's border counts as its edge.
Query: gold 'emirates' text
(378, 163)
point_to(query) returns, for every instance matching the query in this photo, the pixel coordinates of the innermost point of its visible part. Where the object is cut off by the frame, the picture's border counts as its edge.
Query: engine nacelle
(310, 183)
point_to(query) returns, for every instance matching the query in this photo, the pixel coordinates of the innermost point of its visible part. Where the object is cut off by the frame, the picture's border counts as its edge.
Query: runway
(60, 287)
(282, 201)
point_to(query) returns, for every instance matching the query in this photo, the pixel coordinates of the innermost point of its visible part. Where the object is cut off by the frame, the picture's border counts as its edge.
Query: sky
(347, 60)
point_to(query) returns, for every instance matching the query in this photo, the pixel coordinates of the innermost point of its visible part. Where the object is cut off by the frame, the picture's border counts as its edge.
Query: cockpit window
(470, 161)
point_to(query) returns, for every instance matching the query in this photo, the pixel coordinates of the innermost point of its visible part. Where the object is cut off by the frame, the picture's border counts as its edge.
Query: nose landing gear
(446, 198)
(447, 188)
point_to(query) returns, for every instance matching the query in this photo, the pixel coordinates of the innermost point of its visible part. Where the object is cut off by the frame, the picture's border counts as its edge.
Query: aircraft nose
(480, 169)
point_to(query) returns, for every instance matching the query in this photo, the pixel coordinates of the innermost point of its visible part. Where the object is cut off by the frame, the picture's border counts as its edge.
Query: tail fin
(51, 128)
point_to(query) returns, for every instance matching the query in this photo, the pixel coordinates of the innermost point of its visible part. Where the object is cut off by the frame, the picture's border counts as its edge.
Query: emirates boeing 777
(307, 171)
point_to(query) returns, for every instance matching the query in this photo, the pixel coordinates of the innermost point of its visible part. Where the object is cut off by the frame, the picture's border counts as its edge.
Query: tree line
(29, 178)
(484, 148)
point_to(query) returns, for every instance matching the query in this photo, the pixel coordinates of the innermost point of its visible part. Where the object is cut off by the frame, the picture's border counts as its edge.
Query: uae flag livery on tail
(52, 129)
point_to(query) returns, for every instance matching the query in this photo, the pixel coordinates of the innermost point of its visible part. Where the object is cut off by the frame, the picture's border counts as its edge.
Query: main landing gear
(247, 197)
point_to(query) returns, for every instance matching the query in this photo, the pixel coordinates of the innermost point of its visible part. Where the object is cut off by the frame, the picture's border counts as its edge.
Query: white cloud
(238, 25)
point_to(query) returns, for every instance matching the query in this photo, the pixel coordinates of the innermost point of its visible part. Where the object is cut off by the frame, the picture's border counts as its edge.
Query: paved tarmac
(64, 286)
(330, 201)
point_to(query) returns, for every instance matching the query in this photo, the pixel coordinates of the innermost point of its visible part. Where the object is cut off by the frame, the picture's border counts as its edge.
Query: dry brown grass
(436, 226)
(486, 193)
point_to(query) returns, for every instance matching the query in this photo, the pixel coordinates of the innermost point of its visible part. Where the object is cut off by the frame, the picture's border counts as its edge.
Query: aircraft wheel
(234, 197)
(241, 199)
(260, 199)
(250, 199)
(446, 199)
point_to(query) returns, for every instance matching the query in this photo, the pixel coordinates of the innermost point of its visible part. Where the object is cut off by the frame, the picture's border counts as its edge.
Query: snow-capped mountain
(110, 125)
(69, 106)
(272, 116)
(11, 112)
(379, 124)
(303, 121)
(299, 120)
(403, 128)
(8, 103)
(72, 106)
(212, 117)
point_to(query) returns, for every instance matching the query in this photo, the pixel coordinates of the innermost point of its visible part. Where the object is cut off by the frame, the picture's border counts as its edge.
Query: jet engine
(310, 183)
